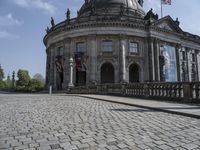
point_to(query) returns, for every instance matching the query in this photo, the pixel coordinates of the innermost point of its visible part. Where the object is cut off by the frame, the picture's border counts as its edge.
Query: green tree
(23, 78)
(1, 74)
(35, 85)
(2, 83)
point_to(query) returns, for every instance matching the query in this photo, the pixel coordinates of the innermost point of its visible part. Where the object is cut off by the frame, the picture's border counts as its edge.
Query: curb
(146, 107)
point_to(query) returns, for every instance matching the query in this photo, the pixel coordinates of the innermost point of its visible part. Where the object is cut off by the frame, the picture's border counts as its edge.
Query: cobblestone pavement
(42, 122)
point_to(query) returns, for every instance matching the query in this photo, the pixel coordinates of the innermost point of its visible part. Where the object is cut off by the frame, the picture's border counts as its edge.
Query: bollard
(50, 89)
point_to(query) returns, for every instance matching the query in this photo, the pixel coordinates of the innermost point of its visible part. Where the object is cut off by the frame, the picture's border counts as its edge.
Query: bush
(2, 85)
(35, 85)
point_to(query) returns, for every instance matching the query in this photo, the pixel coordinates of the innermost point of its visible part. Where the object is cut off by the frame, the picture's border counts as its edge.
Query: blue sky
(23, 24)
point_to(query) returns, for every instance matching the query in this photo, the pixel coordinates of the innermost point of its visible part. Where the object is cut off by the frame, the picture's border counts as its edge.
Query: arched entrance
(81, 75)
(134, 74)
(59, 72)
(107, 73)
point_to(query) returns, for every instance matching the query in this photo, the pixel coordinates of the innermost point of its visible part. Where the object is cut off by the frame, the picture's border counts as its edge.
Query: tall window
(80, 47)
(193, 57)
(183, 55)
(60, 51)
(107, 46)
(133, 47)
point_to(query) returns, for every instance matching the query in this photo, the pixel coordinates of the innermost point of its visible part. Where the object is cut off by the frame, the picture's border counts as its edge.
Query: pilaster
(122, 56)
(151, 60)
(66, 65)
(156, 59)
(92, 45)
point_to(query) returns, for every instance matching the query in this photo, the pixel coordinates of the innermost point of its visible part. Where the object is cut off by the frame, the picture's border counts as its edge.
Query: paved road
(177, 108)
(42, 122)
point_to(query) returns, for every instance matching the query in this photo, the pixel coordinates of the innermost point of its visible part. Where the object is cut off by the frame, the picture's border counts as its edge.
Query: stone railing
(179, 91)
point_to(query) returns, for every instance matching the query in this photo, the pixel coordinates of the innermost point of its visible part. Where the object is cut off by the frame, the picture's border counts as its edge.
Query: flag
(166, 2)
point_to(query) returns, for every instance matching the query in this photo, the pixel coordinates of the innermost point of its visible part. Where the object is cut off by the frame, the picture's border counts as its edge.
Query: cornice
(135, 24)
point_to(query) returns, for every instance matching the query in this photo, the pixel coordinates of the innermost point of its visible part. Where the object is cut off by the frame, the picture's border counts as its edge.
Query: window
(107, 46)
(80, 47)
(133, 47)
(183, 55)
(60, 51)
(193, 57)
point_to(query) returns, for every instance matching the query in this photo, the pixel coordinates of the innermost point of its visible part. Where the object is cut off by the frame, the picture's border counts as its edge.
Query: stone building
(115, 41)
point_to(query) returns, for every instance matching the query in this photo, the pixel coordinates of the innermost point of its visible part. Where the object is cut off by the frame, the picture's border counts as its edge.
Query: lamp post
(71, 61)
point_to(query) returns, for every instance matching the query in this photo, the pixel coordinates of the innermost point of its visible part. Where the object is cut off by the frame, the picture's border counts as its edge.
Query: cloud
(9, 20)
(39, 4)
(8, 36)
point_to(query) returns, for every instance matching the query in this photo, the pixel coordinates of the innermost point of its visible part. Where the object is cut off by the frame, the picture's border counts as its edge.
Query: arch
(107, 73)
(134, 73)
(81, 75)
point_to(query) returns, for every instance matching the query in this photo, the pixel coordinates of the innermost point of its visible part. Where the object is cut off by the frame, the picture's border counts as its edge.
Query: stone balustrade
(178, 91)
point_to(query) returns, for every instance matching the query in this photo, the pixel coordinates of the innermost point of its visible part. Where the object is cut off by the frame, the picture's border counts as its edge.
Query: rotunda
(115, 41)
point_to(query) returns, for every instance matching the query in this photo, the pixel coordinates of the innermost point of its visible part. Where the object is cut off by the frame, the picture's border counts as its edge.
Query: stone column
(178, 63)
(151, 61)
(93, 59)
(52, 67)
(55, 70)
(181, 61)
(156, 60)
(189, 65)
(47, 81)
(71, 62)
(198, 65)
(66, 64)
(122, 53)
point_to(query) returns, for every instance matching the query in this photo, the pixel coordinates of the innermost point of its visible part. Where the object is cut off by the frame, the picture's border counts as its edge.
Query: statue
(47, 29)
(86, 1)
(92, 9)
(177, 22)
(68, 15)
(141, 2)
(52, 22)
(151, 16)
(121, 9)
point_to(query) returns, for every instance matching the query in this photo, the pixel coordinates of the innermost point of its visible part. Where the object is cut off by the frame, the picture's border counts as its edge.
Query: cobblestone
(42, 122)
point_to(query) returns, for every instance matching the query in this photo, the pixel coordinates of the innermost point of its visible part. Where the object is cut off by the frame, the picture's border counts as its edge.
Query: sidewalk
(175, 108)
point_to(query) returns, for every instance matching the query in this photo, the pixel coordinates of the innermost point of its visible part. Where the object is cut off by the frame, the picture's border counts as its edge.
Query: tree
(13, 79)
(1, 74)
(2, 83)
(8, 82)
(23, 78)
(35, 85)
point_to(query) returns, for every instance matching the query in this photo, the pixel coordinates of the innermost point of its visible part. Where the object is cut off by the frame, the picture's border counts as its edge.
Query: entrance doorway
(134, 75)
(81, 76)
(107, 73)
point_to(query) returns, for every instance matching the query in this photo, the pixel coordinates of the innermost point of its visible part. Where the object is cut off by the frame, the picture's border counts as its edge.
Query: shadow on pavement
(136, 110)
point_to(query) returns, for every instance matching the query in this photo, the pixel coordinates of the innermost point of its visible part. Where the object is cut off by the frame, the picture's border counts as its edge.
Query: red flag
(166, 2)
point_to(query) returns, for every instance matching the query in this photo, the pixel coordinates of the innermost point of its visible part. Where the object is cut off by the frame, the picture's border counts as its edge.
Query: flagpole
(161, 8)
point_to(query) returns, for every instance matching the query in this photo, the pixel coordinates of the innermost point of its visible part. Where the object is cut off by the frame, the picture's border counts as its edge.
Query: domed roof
(112, 7)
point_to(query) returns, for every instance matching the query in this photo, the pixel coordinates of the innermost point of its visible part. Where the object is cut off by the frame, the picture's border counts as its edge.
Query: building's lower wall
(146, 60)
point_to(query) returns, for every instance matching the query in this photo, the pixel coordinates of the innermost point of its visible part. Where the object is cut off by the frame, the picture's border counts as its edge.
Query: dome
(112, 7)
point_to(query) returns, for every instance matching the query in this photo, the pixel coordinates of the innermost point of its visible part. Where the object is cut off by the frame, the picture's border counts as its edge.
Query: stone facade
(121, 45)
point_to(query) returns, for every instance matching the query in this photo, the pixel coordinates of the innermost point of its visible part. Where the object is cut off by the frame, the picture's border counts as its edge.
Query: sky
(23, 24)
